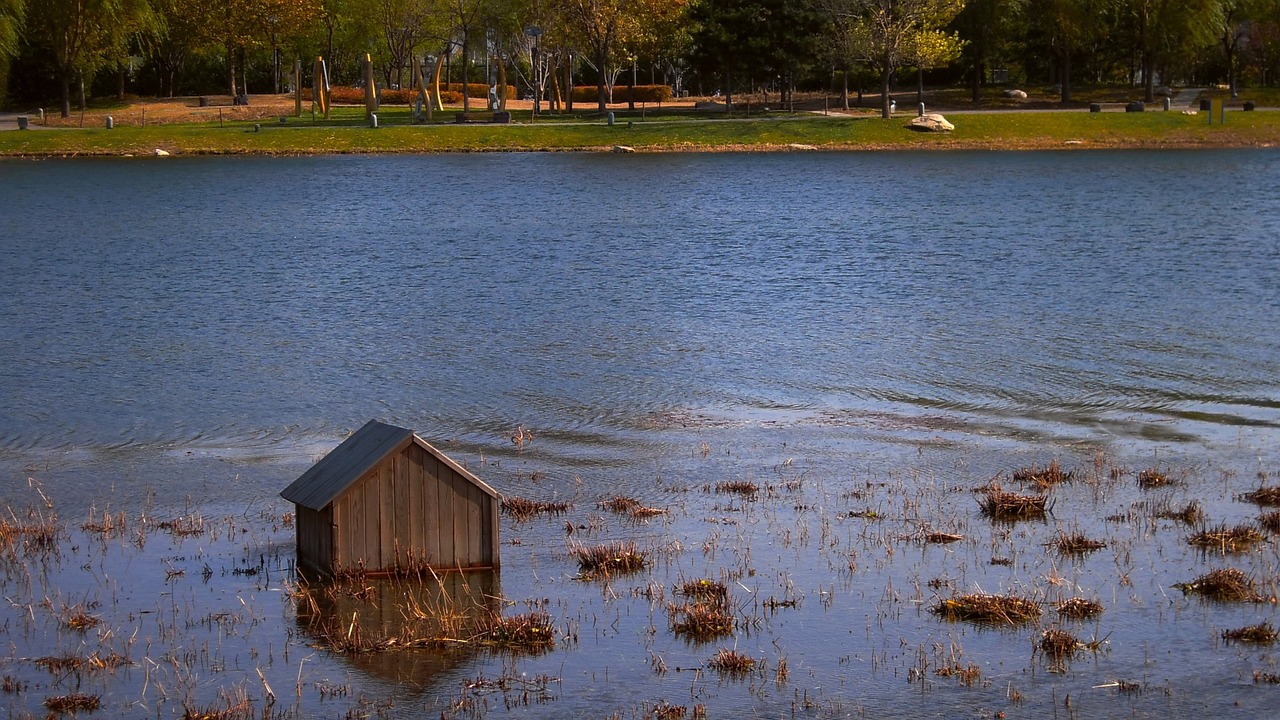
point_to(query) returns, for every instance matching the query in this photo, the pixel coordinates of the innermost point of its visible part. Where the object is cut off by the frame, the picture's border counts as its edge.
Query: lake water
(178, 331)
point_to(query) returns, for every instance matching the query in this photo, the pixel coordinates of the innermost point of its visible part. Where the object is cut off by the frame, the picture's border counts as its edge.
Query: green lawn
(348, 133)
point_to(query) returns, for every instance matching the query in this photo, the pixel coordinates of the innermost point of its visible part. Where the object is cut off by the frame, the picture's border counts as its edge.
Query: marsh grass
(1264, 496)
(1059, 644)
(744, 488)
(521, 509)
(1075, 543)
(630, 507)
(1190, 514)
(74, 703)
(1262, 633)
(1153, 477)
(732, 662)
(1223, 585)
(988, 609)
(611, 558)
(1001, 504)
(1078, 608)
(700, 621)
(1270, 522)
(704, 589)
(1045, 477)
(36, 534)
(1223, 539)
(969, 674)
(529, 632)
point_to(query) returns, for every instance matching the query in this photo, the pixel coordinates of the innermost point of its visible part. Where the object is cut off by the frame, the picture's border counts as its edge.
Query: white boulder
(930, 122)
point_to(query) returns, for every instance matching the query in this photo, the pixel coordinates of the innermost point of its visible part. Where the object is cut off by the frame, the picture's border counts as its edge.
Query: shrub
(643, 93)
(344, 95)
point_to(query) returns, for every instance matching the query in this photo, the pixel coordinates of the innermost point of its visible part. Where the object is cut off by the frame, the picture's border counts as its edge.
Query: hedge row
(643, 93)
(343, 95)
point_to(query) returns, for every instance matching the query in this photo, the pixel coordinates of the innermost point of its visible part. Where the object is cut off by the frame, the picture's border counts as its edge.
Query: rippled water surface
(861, 331)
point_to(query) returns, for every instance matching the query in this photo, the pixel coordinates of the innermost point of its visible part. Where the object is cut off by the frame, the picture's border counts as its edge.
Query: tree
(611, 30)
(82, 35)
(12, 13)
(887, 34)
(1067, 25)
(1235, 19)
(988, 27)
(1164, 30)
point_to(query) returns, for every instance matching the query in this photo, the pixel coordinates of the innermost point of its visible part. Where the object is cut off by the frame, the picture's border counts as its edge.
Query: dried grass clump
(521, 509)
(1076, 543)
(667, 711)
(1223, 585)
(1153, 478)
(74, 703)
(1261, 633)
(968, 674)
(184, 526)
(1191, 513)
(732, 662)
(1003, 505)
(1225, 539)
(941, 538)
(630, 507)
(77, 619)
(531, 631)
(1270, 521)
(1263, 496)
(701, 621)
(738, 487)
(617, 557)
(1079, 608)
(34, 535)
(704, 589)
(1059, 643)
(989, 609)
(234, 705)
(1260, 676)
(1043, 477)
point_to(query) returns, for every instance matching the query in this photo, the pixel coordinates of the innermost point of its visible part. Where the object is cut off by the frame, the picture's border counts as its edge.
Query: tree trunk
(601, 98)
(975, 81)
(466, 96)
(844, 89)
(1148, 78)
(1066, 77)
(66, 94)
(231, 71)
(568, 84)
(884, 93)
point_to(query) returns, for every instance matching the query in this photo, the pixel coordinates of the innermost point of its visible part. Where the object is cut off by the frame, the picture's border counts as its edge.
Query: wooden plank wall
(412, 509)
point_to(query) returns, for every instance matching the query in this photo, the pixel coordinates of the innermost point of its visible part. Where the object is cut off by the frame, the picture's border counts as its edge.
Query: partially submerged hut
(385, 500)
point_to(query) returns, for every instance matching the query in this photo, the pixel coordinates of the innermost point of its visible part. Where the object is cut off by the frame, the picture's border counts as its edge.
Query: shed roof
(347, 463)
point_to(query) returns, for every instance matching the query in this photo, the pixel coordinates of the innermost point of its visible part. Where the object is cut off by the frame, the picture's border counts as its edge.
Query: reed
(1004, 505)
(1225, 539)
(1223, 585)
(616, 557)
(1076, 543)
(1266, 496)
(732, 662)
(521, 509)
(1059, 643)
(701, 621)
(1079, 608)
(988, 609)
(1262, 633)
(1043, 477)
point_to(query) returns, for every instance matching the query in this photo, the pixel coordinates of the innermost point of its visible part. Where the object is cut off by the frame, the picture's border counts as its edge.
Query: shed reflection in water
(404, 628)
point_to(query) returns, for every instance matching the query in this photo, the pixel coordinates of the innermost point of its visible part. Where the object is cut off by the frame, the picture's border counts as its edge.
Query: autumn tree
(12, 13)
(988, 28)
(890, 34)
(1161, 31)
(1236, 20)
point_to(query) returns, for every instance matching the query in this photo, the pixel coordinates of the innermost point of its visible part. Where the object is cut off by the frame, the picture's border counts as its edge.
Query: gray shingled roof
(346, 464)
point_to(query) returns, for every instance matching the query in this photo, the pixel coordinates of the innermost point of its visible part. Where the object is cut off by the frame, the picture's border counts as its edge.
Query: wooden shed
(385, 501)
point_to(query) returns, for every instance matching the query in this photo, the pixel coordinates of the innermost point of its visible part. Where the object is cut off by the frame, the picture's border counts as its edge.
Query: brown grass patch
(521, 509)
(184, 526)
(531, 631)
(1261, 633)
(1152, 478)
(704, 589)
(1043, 477)
(1222, 585)
(968, 674)
(1003, 505)
(1079, 608)
(617, 557)
(732, 662)
(1225, 539)
(988, 609)
(35, 534)
(1191, 513)
(1059, 643)
(738, 487)
(940, 538)
(74, 703)
(1263, 496)
(630, 507)
(1266, 677)
(701, 621)
(1076, 543)
(1270, 521)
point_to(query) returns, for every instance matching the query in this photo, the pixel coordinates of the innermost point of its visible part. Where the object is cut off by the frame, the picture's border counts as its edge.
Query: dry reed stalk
(701, 620)
(1003, 505)
(738, 487)
(1076, 543)
(1043, 478)
(1270, 521)
(941, 538)
(1263, 496)
(968, 674)
(731, 661)
(36, 534)
(1153, 478)
(1261, 633)
(1191, 514)
(1059, 643)
(74, 703)
(1225, 539)
(1079, 608)
(530, 632)
(617, 557)
(630, 507)
(1223, 585)
(521, 509)
(990, 609)
(704, 589)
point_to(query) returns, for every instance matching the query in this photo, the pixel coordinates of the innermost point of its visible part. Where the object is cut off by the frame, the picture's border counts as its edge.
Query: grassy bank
(654, 132)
